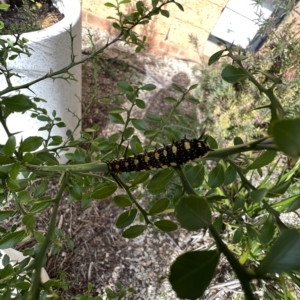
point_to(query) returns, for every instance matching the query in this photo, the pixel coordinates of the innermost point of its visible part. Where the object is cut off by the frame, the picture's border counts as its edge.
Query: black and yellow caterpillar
(172, 155)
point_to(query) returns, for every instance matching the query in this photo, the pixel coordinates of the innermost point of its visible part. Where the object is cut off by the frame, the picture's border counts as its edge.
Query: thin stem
(141, 209)
(39, 261)
(165, 120)
(240, 271)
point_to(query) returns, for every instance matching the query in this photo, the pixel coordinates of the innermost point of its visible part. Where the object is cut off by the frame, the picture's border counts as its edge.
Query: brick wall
(167, 36)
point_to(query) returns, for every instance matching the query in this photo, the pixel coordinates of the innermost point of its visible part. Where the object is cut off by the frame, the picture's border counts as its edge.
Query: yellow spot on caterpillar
(174, 149)
(152, 168)
(126, 164)
(164, 166)
(146, 158)
(156, 155)
(117, 167)
(187, 145)
(136, 161)
(173, 164)
(165, 153)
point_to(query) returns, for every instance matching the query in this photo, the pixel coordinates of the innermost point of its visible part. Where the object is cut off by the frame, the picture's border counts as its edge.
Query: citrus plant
(242, 189)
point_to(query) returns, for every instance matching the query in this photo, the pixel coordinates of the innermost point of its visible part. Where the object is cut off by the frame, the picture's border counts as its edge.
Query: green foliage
(238, 198)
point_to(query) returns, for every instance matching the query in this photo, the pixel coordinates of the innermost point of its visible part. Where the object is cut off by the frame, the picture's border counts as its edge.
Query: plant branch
(39, 261)
(240, 271)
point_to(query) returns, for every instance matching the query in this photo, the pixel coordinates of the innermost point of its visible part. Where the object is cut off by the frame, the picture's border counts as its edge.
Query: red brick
(93, 19)
(189, 55)
(157, 51)
(163, 45)
(83, 16)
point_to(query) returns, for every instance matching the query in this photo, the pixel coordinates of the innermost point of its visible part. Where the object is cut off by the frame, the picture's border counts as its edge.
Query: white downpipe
(51, 52)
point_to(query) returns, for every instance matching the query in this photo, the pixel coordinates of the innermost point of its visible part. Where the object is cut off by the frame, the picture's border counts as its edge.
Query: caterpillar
(172, 155)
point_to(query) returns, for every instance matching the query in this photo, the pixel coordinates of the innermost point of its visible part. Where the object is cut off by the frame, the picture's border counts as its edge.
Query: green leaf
(267, 231)
(160, 206)
(293, 206)
(193, 100)
(32, 143)
(179, 6)
(13, 184)
(48, 158)
(5, 273)
(38, 237)
(215, 57)
(108, 4)
(237, 236)
(154, 3)
(6, 214)
(10, 146)
(177, 88)
(29, 220)
(122, 201)
(40, 189)
(14, 170)
(232, 74)
(126, 218)
(124, 87)
(218, 224)
(238, 141)
(116, 118)
(159, 181)
(166, 225)
(140, 177)
(128, 132)
(193, 213)
(134, 231)
(12, 239)
(4, 6)
(117, 26)
(148, 87)
(283, 255)
(140, 103)
(230, 175)
(18, 103)
(39, 207)
(195, 175)
(287, 136)
(23, 285)
(153, 118)
(116, 110)
(279, 189)
(104, 191)
(212, 142)
(79, 155)
(263, 160)
(192, 272)
(192, 87)
(171, 99)
(75, 190)
(216, 177)
(258, 195)
(5, 160)
(165, 13)
(150, 133)
(172, 134)
(24, 197)
(140, 7)
(139, 124)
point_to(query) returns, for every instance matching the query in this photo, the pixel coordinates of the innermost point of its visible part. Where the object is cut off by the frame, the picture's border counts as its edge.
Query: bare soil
(25, 16)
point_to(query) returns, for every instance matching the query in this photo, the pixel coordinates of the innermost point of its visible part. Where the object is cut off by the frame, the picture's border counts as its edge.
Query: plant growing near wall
(196, 196)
